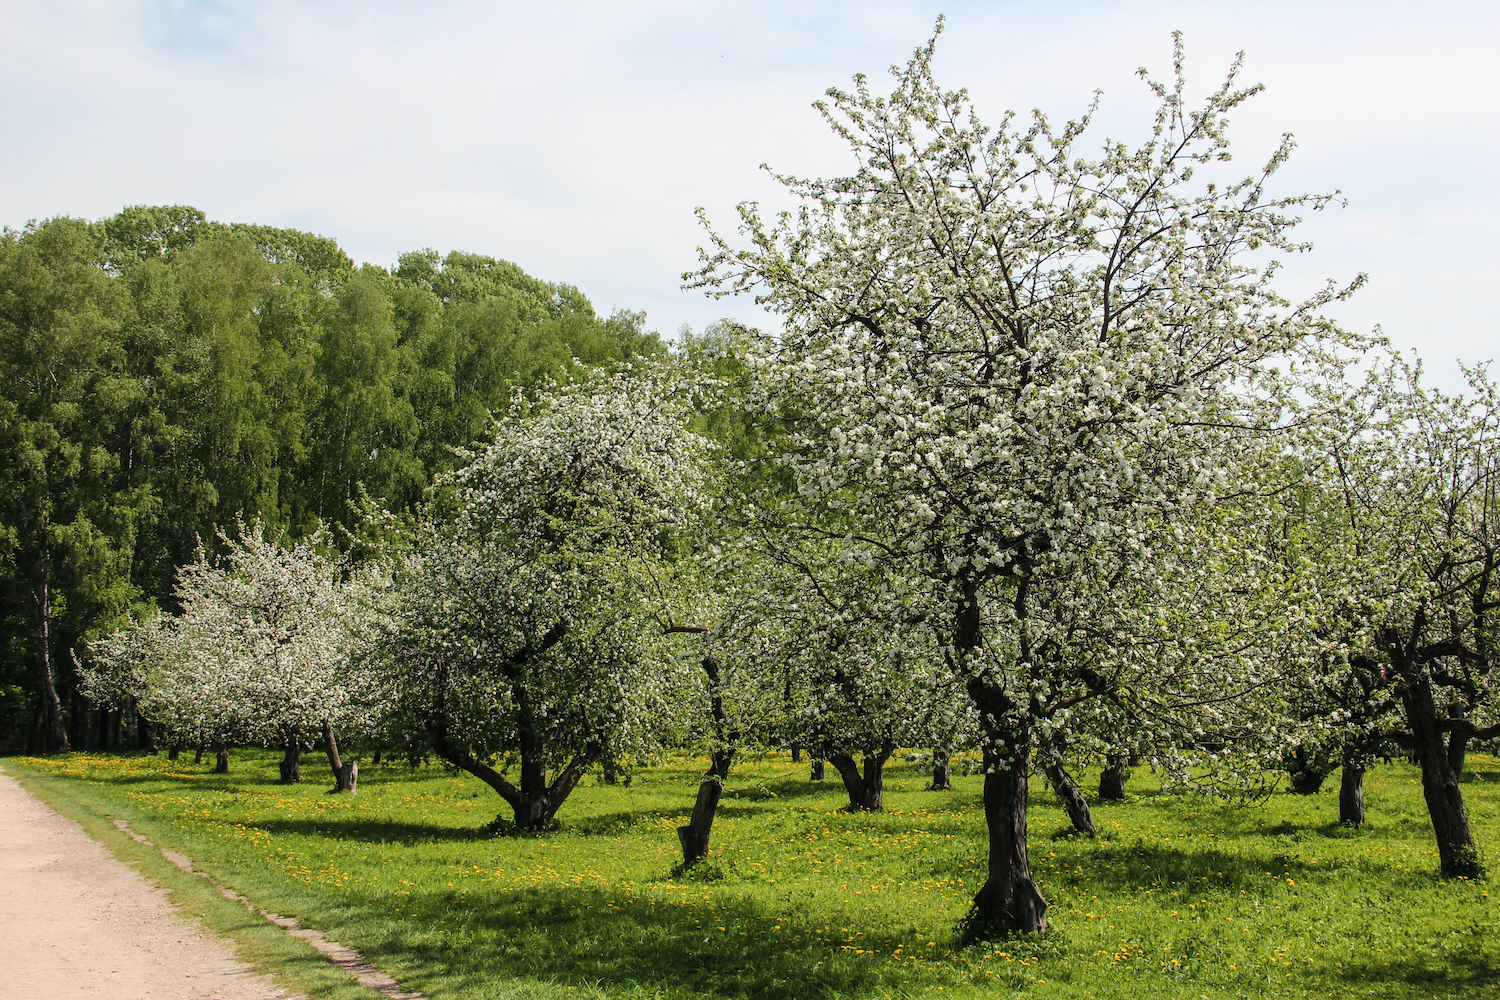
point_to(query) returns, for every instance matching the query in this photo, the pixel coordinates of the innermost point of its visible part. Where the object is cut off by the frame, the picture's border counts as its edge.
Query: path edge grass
(293, 965)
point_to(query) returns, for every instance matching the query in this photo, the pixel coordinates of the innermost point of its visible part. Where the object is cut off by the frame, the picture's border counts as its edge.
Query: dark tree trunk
(221, 764)
(1352, 794)
(611, 771)
(148, 734)
(1073, 802)
(817, 770)
(694, 836)
(345, 773)
(48, 733)
(867, 791)
(291, 761)
(1457, 851)
(942, 778)
(175, 751)
(1112, 779)
(534, 802)
(796, 753)
(1307, 773)
(198, 756)
(1009, 900)
(1458, 740)
(376, 758)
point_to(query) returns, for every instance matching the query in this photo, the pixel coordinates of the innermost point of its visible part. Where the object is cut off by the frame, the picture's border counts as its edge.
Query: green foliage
(162, 374)
(1179, 896)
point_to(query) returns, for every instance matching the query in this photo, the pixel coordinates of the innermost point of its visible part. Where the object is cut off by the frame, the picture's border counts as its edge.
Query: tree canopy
(165, 375)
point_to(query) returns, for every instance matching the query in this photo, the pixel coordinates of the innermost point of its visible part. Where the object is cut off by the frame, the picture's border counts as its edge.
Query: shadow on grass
(1125, 866)
(375, 830)
(1467, 973)
(694, 948)
(370, 831)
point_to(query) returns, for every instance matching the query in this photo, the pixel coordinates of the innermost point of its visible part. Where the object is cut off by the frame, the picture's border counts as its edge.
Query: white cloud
(576, 138)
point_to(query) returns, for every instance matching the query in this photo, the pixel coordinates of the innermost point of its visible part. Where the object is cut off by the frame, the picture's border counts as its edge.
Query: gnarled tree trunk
(1457, 852)
(1073, 802)
(866, 791)
(694, 836)
(345, 773)
(221, 764)
(535, 801)
(1009, 900)
(291, 761)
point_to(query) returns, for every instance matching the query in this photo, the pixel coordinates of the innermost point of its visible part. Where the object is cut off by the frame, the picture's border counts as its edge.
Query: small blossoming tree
(268, 646)
(1410, 575)
(523, 633)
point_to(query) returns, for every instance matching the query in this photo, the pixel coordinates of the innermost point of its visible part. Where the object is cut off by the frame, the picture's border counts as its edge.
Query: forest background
(164, 374)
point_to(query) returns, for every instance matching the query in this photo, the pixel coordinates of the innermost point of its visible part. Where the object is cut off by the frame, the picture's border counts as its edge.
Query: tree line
(164, 375)
(1041, 468)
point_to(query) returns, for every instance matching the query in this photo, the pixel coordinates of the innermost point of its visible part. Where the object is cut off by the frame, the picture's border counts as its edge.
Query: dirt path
(76, 922)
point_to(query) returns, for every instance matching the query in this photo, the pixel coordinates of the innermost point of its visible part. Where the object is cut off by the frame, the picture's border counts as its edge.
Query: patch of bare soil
(77, 922)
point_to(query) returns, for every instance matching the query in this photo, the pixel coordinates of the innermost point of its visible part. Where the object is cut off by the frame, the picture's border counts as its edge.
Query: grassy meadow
(1179, 896)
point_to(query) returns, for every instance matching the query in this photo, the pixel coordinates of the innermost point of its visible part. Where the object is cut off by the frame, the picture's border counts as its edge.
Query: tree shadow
(370, 831)
(1466, 973)
(623, 820)
(376, 830)
(1127, 867)
(601, 939)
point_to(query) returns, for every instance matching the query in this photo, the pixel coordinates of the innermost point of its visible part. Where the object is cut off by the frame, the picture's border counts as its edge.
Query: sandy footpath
(76, 922)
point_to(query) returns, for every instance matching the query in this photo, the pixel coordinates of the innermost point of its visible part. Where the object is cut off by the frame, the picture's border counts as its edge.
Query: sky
(577, 138)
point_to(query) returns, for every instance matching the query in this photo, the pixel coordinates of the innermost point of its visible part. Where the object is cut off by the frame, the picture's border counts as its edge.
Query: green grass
(1180, 896)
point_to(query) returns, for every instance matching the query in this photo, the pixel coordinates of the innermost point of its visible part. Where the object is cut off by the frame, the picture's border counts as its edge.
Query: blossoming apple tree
(269, 645)
(1411, 578)
(1027, 376)
(524, 635)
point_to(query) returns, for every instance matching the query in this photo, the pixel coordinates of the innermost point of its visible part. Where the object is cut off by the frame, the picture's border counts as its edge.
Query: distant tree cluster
(163, 375)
